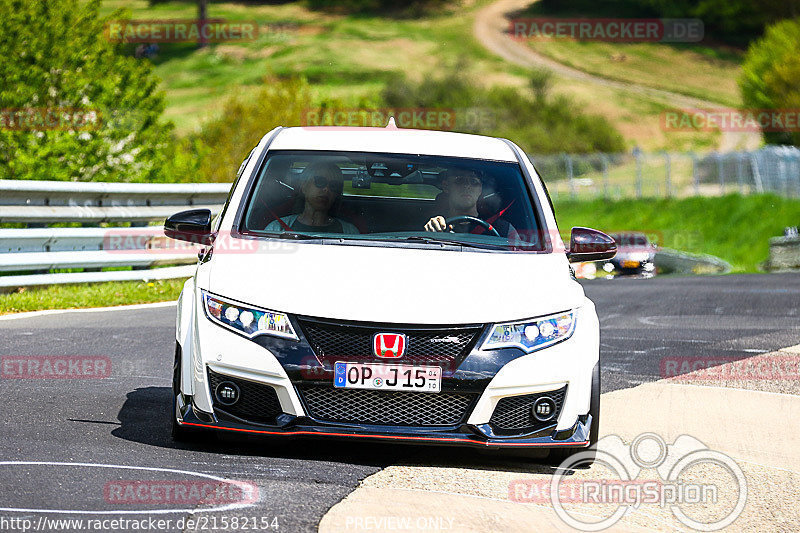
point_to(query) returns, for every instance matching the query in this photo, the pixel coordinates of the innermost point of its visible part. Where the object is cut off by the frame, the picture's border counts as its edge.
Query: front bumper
(286, 366)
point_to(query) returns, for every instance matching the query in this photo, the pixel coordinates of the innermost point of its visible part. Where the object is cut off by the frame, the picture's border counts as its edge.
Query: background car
(635, 255)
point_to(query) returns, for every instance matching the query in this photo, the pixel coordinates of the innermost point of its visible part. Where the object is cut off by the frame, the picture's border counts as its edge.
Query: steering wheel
(475, 220)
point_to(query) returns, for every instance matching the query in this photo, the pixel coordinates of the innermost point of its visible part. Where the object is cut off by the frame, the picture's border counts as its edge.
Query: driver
(462, 189)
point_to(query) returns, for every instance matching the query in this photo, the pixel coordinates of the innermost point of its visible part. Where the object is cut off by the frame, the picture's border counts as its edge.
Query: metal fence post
(740, 170)
(795, 173)
(570, 175)
(782, 174)
(720, 173)
(695, 177)
(604, 164)
(667, 175)
(756, 173)
(637, 154)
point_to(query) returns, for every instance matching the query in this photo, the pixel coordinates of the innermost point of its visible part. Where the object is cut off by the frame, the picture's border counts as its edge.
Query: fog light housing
(227, 393)
(543, 409)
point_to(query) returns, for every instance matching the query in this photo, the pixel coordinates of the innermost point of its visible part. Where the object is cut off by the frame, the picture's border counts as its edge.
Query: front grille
(335, 341)
(392, 408)
(257, 402)
(513, 414)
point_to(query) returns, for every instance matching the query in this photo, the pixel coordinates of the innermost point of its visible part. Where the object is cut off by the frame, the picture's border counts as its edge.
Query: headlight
(531, 335)
(245, 319)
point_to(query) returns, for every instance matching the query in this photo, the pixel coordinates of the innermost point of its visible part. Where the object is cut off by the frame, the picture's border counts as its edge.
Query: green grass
(692, 69)
(349, 58)
(734, 228)
(90, 295)
(685, 70)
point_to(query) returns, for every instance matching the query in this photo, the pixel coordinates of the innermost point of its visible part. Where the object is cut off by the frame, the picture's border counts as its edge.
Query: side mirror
(193, 226)
(588, 244)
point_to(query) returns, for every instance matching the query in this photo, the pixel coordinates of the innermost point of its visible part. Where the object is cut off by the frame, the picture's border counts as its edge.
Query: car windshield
(361, 197)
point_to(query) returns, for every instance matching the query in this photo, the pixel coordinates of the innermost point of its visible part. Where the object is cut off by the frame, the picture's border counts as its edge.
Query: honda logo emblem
(389, 345)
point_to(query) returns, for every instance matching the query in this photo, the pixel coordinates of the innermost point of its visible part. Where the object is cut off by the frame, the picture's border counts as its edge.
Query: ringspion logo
(683, 476)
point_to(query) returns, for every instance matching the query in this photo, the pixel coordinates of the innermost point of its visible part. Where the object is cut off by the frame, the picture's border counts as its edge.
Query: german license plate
(387, 377)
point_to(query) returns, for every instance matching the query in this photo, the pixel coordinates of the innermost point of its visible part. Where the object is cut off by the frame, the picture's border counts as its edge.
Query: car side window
(218, 219)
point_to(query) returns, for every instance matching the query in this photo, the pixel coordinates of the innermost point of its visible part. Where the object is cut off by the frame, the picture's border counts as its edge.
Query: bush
(770, 75)
(539, 123)
(215, 153)
(99, 111)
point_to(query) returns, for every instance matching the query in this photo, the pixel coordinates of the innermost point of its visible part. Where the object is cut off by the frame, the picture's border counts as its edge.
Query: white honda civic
(388, 284)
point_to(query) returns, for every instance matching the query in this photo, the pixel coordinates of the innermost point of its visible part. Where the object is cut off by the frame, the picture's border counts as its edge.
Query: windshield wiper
(435, 240)
(288, 235)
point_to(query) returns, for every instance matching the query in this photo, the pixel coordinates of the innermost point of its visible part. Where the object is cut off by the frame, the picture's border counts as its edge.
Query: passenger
(321, 185)
(461, 190)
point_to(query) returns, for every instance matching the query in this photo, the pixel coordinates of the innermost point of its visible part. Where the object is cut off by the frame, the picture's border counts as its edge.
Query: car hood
(397, 285)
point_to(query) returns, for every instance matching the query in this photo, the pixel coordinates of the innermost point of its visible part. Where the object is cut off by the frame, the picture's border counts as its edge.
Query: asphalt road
(122, 420)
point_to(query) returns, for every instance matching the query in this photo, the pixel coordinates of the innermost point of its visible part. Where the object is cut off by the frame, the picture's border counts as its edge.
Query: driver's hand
(437, 224)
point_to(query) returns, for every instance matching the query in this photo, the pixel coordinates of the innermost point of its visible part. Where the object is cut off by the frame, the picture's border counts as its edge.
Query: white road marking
(227, 507)
(33, 314)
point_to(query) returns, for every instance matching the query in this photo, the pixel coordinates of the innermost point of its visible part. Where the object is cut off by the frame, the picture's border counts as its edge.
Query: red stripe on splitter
(398, 437)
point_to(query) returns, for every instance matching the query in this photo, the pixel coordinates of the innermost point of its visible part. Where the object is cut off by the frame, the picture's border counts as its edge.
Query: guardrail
(28, 255)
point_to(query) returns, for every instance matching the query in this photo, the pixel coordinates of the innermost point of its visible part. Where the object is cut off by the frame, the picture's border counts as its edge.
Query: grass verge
(734, 228)
(700, 69)
(90, 295)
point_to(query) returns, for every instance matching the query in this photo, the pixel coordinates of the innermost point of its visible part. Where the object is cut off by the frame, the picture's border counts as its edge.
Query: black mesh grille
(257, 402)
(513, 414)
(334, 341)
(394, 408)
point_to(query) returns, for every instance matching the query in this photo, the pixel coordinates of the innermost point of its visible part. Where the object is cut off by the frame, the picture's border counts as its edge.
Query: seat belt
(480, 229)
(284, 225)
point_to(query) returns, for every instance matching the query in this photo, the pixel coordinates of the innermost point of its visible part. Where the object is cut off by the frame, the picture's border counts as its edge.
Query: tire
(179, 433)
(559, 455)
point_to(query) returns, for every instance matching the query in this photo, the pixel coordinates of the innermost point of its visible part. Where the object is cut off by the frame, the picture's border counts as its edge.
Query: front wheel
(559, 455)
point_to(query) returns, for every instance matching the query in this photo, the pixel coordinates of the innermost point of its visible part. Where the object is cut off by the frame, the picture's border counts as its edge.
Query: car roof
(393, 140)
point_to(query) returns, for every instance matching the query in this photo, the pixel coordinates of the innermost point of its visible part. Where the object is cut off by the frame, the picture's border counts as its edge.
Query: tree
(770, 75)
(73, 107)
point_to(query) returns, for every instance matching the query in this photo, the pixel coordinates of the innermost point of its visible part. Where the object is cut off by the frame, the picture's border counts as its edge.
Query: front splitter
(464, 435)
